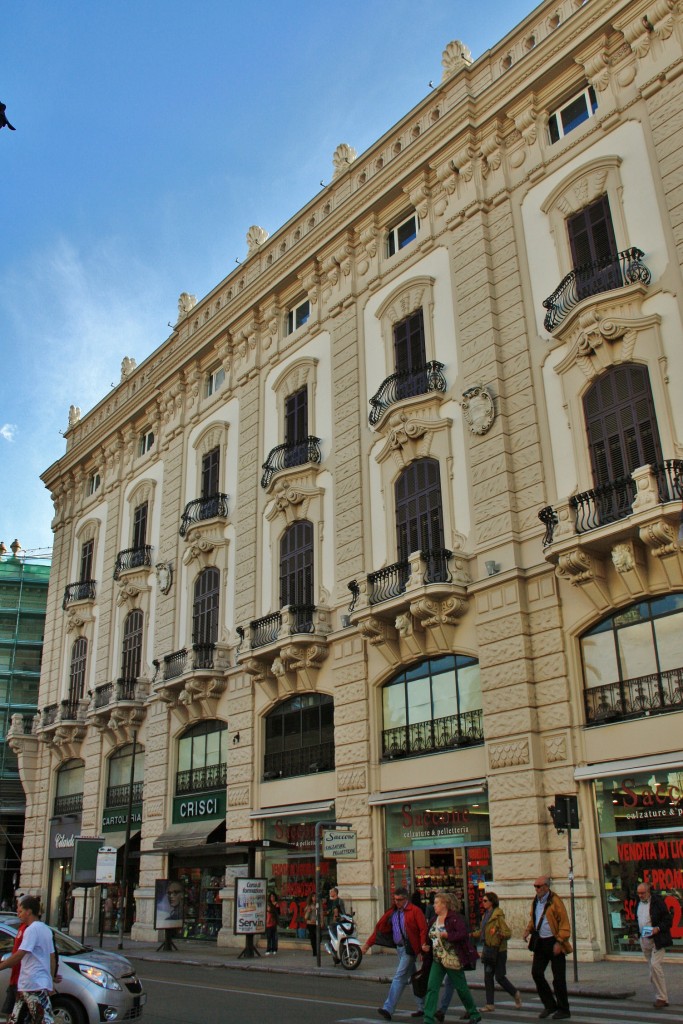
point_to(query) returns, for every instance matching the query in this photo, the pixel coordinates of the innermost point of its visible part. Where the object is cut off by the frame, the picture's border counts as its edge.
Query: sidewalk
(608, 979)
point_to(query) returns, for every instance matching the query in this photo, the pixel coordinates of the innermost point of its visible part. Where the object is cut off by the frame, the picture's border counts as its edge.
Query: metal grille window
(87, 553)
(211, 473)
(79, 659)
(419, 518)
(140, 526)
(621, 423)
(296, 565)
(131, 658)
(205, 608)
(202, 757)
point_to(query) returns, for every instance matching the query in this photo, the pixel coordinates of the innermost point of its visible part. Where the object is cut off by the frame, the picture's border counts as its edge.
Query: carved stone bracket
(292, 495)
(383, 637)
(585, 570)
(200, 693)
(129, 592)
(66, 739)
(410, 433)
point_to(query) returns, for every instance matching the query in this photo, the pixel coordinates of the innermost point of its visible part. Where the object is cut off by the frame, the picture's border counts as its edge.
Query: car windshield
(65, 944)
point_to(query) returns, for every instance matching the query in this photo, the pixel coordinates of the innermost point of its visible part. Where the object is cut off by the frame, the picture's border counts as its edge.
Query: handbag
(446, 955)
(534, 935)
(419, 981)
(489, 955)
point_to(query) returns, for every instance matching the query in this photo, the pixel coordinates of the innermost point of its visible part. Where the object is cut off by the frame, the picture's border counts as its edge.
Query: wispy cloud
(8, 431)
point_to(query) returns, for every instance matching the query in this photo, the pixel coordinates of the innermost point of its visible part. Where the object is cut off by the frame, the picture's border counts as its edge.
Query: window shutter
(87, 552)
(409, 343)
(131, 659)
(140, 526)
(296, 416)
(205, 608)
(296, 565)
(210, 473)
(419, 515)
(79, 657)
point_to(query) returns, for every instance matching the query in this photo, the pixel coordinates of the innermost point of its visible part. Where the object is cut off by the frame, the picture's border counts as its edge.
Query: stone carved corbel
(382, 636)
(431, 613)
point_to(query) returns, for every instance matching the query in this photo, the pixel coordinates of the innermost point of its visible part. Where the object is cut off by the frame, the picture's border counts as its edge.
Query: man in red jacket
(405, 927)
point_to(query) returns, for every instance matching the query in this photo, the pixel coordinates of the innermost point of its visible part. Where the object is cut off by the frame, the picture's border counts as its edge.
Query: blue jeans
(446, 995)
(404, 972)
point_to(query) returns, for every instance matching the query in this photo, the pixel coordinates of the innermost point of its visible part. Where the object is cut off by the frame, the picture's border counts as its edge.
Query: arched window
(202, 757)
(434, 705)
(296, 574)
(69, 789)
(77, 668)
(419, 517)
(131, 656)
(300, 736)
(205, 608)
(118, 784)
(622, 435)
(633, 661)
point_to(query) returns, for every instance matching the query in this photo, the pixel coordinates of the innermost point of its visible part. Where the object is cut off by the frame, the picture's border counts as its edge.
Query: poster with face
(169, 903)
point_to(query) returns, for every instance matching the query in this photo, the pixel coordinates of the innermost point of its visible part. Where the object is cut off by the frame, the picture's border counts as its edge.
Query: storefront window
(443, 843)
(291, 873)
(202, 910)
(641, 840)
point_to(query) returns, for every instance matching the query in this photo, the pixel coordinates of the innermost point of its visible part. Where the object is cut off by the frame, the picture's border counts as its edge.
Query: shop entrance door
(463, 871)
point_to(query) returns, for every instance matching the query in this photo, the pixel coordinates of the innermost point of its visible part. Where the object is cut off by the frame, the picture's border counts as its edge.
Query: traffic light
(565, 813)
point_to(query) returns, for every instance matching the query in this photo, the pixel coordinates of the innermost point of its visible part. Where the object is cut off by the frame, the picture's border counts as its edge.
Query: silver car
(96, 987)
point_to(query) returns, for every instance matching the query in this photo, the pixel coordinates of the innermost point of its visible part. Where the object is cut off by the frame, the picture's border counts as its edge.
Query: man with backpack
(654, 929)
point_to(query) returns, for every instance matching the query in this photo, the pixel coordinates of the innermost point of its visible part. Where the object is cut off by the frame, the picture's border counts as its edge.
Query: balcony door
(410, 356)
(594, 249)
(296, 573)
(419, 516)
(622, 435)
(296, 428)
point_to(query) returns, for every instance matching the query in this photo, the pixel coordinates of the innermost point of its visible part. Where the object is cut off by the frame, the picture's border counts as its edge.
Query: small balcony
(132, 558)
(285, 764)
(84, 590)
(192, 673)
(287, 456)
(430, 737)
(71, 803)
(609, 272)
(614, 541)
(202, 509)
(406, 384)
(635, 698)
(118, 705)
(286, 643)
(62, 725)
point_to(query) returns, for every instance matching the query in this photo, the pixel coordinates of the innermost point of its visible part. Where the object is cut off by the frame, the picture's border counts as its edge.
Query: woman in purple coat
(451, 952)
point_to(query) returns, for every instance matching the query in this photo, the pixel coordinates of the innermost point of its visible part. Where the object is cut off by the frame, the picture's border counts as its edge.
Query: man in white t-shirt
(38, 965)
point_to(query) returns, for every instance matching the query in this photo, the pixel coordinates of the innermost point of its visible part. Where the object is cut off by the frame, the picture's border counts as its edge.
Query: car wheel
(68, 1011)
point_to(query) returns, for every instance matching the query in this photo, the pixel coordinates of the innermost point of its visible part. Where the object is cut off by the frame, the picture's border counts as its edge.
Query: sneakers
(518, 1000)
(384, 1013)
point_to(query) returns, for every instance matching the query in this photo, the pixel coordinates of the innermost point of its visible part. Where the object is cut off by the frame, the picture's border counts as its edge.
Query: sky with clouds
(150, 135)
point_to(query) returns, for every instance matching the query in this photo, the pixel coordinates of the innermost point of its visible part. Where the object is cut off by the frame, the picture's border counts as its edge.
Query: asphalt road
(186, 994)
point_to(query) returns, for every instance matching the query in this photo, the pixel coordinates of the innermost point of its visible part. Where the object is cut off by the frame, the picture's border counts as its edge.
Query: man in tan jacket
(550, 930)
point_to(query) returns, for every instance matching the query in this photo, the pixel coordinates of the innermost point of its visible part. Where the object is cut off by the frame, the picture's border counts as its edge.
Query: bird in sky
(3, 119)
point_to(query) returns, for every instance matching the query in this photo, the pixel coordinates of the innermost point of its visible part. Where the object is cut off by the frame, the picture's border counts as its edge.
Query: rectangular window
(87, 552)
(140, 526)
(573, 113)
(403, 234)
(210, 473)
(214, 381)
(93, 483)
(298, 316)
(296, 416)
(146, 442)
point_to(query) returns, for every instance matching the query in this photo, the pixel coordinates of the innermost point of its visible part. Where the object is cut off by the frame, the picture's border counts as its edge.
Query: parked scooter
(343, 945)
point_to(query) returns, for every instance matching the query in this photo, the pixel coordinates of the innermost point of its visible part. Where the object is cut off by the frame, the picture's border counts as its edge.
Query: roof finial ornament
(455, 57)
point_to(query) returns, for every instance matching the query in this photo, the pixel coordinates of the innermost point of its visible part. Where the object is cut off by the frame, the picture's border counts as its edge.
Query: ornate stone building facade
(388, 530)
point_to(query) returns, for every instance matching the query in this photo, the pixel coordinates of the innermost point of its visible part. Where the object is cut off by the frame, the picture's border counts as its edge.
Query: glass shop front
(640, 818)
(440, 843)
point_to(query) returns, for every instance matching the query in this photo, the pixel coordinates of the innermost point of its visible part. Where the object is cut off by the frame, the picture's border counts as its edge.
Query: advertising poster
(169, 903)
(250, 906)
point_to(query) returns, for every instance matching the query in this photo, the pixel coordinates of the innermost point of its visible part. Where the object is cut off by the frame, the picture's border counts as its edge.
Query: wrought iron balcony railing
(84, 590)
(132, 558)
(174, 664)
(266, 630)
(613, 501)
(388, 582)
(213, 507)
(428, 737)
(603, 275)
(293, 453)
(406, 384)
(284, 764)
(72, 803)
(436, 563)
(103, 695)
(117, 796)
(202, 655)
(635, 698)
(195, 780)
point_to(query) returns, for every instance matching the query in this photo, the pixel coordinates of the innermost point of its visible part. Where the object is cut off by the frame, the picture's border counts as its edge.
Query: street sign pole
(319, 826)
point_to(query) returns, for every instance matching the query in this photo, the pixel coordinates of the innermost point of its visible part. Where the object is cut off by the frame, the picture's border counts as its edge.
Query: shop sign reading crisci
(339, 845)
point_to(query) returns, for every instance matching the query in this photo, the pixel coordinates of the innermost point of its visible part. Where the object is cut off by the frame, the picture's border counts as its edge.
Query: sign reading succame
(340, 845)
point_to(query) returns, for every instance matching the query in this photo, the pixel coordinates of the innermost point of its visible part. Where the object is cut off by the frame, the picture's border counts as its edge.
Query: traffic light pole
(572, 901)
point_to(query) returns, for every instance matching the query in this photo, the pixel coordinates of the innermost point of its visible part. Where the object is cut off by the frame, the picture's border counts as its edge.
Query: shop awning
(399, 796)
(291, 809)
(189, 833)
(118, 839)
(633, 764)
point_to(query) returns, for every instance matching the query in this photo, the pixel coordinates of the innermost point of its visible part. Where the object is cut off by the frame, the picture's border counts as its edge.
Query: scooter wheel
(350, 956)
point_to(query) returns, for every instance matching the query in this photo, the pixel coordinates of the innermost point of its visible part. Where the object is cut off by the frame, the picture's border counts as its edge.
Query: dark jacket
(457, 934)
(661, 918)
(415, 924)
